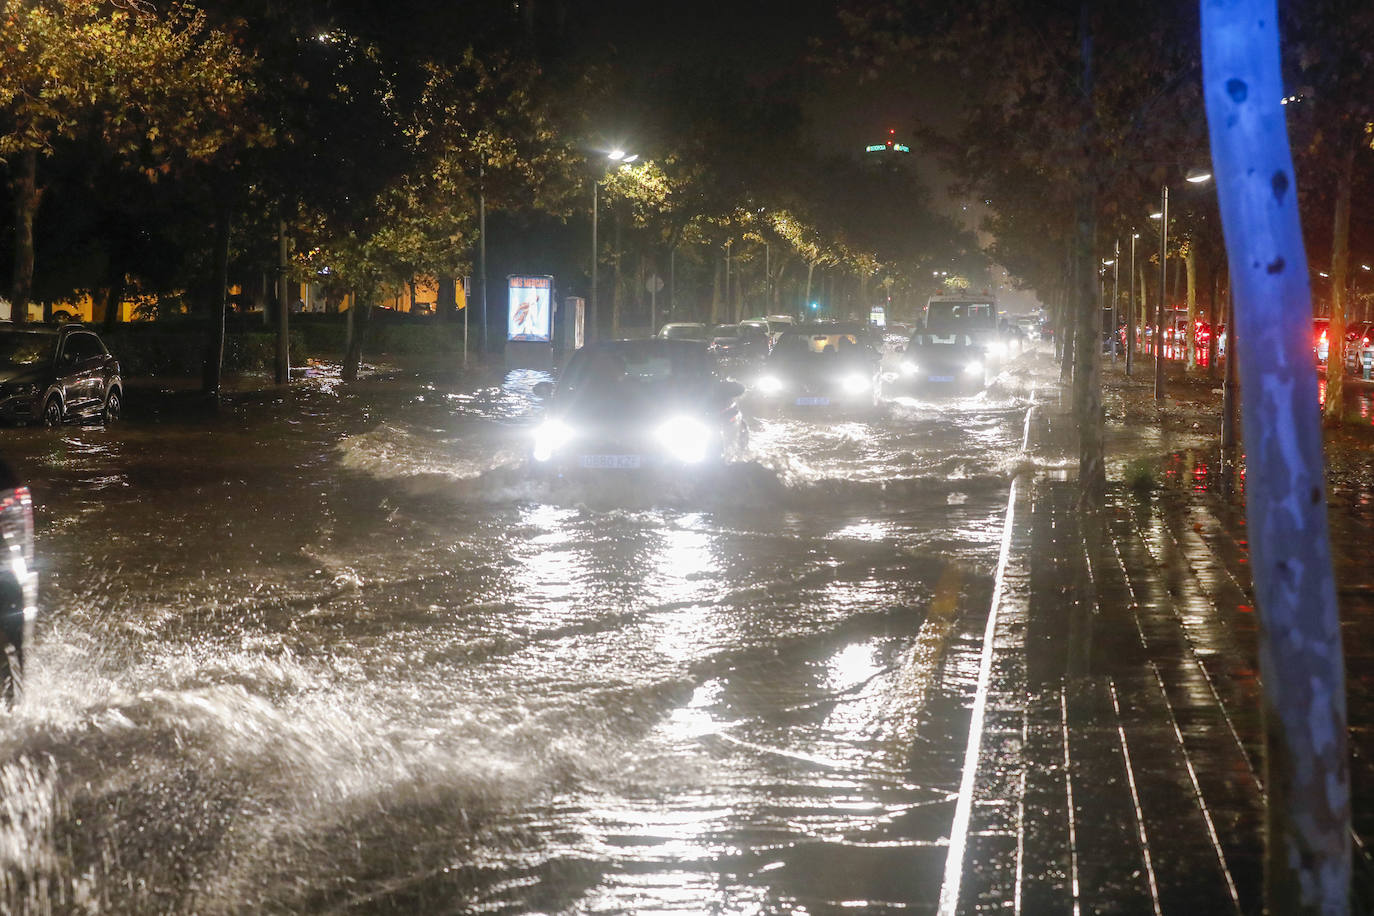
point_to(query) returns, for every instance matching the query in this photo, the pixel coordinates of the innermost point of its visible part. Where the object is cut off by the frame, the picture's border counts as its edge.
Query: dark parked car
(18, 580)
(52, 375)
(639, 405)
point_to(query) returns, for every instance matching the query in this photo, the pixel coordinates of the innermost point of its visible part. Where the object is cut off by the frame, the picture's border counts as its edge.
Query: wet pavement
(331, 649)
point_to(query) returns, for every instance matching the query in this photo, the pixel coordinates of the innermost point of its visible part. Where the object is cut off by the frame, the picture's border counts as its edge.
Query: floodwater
(330, 650)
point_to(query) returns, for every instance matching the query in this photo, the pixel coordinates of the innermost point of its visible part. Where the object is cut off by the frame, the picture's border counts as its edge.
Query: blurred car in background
(52, 375)
(684, 330)
(638, 405)
(819, 365)
(1320, 345)
(18, 580)
(738, 341)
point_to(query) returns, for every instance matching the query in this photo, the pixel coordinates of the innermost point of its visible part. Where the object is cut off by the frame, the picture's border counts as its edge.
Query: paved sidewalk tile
(1117, 765)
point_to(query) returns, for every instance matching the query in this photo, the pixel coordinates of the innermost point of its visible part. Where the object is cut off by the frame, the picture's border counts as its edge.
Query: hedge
(170, 348)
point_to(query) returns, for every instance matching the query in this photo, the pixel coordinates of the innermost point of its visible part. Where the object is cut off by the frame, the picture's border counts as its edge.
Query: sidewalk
(1115, 759)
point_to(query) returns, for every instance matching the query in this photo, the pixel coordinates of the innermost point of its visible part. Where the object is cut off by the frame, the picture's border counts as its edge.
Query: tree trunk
(114, 298)
(27, 196)
(283, 361)
(806, 298)
(353, 359)
(1190, 267)
(1340, 274)
(447, 305)
(213, 364)
(1212, 314)
(1087, 375)
(1302, 666)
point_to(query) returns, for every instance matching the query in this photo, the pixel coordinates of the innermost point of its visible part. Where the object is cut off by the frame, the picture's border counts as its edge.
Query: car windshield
(20, 350)
(635, 363)
(953, 315)
(726, 330)
(683, 332)
(808, 344)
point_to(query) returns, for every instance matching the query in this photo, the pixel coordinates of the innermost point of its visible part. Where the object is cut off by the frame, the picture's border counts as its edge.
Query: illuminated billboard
(531, 308)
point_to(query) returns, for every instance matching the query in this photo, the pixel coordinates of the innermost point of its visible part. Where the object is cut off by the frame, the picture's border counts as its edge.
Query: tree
(144, 86)
(1302, 667)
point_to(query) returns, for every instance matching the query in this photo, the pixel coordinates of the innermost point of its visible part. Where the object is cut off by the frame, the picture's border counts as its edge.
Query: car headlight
(855, 384)
(974, 368)
(909, 367)
(685, 439)
(549, 437)
(770, 384)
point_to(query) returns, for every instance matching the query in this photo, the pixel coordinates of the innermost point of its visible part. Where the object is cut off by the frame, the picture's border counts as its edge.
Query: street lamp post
(1194, 176)
(1116, 290)
(615, 155)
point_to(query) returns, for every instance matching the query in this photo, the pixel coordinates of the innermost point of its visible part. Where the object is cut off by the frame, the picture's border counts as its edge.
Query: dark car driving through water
(639, 405)
(52, 375)
(820, 365)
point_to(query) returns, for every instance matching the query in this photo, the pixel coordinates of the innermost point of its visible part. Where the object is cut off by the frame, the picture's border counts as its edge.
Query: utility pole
(1130, 308)
(1116, 291)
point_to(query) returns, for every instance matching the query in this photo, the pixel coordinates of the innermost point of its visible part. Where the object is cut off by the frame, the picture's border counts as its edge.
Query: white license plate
(813, 402)
(621, 462)
(941, 378)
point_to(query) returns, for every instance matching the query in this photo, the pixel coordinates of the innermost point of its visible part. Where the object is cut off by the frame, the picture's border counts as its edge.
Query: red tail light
(16, 521)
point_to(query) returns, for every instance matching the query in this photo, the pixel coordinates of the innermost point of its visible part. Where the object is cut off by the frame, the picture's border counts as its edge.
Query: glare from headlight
(855, 384)
(549, 437)
(997, 348)
(909, 367)
(770, 384)
(974, 368)
(685, 439)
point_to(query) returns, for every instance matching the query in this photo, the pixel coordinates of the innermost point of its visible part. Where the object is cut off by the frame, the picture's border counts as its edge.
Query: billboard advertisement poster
(531, 308)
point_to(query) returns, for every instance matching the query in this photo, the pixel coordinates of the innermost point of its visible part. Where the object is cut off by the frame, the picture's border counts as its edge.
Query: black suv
(18, 580)
(53, 375)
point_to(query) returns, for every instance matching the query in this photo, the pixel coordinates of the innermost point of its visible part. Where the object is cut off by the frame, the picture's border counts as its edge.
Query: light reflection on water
(334, 647)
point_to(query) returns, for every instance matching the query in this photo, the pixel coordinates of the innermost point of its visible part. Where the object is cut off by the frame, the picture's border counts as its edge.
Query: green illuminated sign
(875, 148)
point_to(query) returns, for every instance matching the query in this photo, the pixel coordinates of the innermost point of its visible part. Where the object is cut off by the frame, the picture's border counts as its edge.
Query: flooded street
(333, 650)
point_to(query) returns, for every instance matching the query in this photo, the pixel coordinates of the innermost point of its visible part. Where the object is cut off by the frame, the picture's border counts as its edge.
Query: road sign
(654, 284)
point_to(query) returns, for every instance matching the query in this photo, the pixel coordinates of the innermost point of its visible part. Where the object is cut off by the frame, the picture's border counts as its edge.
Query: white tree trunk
(1301, 663)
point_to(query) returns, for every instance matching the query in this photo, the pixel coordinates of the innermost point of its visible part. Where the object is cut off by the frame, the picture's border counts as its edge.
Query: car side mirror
(543, 389)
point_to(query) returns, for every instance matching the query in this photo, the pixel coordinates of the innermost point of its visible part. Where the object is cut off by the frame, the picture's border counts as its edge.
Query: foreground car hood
(22, 375)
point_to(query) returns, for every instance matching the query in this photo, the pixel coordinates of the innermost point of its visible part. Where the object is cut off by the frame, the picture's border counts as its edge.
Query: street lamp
(1131, 309)
(618, 156)
(1194, 176)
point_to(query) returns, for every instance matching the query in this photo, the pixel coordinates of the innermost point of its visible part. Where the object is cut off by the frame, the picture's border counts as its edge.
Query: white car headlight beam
(685, 439)
(855, 384)
(549, 437)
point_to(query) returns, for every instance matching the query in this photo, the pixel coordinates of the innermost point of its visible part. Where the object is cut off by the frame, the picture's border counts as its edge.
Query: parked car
(52, 375)
(1359, 347)
(684, 330)
(18, 579)
(638, 405)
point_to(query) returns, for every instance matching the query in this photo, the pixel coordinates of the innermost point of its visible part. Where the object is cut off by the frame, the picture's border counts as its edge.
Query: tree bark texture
(26, 199)
(1190, 271)
(1302, 667)
(1340, 275)
(213, 364)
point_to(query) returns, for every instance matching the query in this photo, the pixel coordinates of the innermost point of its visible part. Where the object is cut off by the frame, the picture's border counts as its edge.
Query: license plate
(813, 402)
(940, 378)
(619, 462)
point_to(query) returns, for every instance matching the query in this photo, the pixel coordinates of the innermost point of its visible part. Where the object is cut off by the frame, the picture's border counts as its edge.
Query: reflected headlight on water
(770, 384)
(974, 368)
(549, 437)
(684, 439)
(855, 384)
(909, 367)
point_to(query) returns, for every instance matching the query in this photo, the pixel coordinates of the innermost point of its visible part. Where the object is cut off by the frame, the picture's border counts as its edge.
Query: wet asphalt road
(330, 650)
